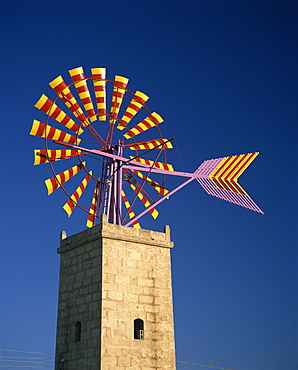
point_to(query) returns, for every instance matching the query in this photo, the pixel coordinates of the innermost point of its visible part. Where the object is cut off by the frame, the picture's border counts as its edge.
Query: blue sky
(223, 75)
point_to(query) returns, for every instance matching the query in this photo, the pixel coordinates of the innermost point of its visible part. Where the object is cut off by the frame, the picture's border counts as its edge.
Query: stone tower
(115, 300)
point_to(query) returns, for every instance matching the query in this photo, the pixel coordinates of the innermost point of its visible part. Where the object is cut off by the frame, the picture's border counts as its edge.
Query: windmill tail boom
(218, 177)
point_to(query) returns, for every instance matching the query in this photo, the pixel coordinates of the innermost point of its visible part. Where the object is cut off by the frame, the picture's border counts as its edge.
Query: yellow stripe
(57, 81)
(76, 71)
(58, 178)
(130, 211)
(41, 101)
(222, 166)
(158, 117)
(121, 79)
(141, 95)
(156, 164)
(67, 209)
(147, 204)
(235, 167)
(74, 199)
(244, 168)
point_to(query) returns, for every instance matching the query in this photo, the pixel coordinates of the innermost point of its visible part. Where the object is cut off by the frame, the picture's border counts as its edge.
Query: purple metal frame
(120, 163)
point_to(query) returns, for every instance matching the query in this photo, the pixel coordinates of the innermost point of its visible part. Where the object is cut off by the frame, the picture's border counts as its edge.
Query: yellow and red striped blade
(91, 220)
(78, 77)
(152, 144)
(163, 166)
(64, 93)
(47, 106)
(73, 201)
(160, 189)
(46, 156)
(130, 211)
(153, 120)
(42, 130)
(137, 102)
(144, 200)
(99, 75)
(55, 182)
(117, 97)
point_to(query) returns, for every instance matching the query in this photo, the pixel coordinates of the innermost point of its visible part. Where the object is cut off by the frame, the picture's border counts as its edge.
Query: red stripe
(140, 100)
(47, 105)
(99, 88)
(55, 113)
(54, 183)
(78, 77)
(129, 115)
(223, 161)
(244, 164)
(230, 168)
(153, 119)
(60, 87)
(134, 107)
(51, 133)
(41, 129)
(82, 89)
(120, 84)
(97, 76)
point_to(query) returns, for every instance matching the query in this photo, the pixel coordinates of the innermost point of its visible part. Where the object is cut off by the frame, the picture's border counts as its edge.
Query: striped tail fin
(219, 177)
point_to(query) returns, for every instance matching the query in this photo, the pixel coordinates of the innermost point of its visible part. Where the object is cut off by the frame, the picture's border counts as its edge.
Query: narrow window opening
(78, 327)
(138, 329)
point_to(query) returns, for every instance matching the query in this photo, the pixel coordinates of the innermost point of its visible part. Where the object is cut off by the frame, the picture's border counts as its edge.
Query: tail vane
(218, 177)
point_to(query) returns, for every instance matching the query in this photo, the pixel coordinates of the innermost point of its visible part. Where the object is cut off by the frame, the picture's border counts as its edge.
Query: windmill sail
(42, 130)
(55, 182)
(153, 120)
(137, 102)
(73, 200)
(78, 77)
(47, 106)
(131, 213)
(99, 75)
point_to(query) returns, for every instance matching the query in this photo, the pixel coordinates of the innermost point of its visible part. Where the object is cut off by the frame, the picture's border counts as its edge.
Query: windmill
(115, 288)
(125, 157)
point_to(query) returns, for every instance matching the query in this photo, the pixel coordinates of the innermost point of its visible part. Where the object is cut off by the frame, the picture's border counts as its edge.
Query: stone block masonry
(112, 279)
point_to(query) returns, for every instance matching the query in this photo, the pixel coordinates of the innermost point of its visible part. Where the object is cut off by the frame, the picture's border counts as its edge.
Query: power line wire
(14, 350)
(213, 367)
(8, 362)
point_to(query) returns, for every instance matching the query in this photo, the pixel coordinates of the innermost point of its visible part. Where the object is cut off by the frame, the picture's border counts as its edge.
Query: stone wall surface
(111, 275)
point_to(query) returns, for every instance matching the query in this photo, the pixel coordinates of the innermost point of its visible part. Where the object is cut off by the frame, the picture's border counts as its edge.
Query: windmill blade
(153, 120)
(78, 77)
(47, 106)
(163, 166)
(49, 132)
(99, 83)
(137, 102)
(72, 202)
(152, 144)
(160, 189)
(47, 155)
(55, 182)
(117, 97)
(154, 213)
(62, 90)
(218, 177)
(92, 211)
(130, 211)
